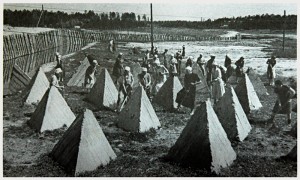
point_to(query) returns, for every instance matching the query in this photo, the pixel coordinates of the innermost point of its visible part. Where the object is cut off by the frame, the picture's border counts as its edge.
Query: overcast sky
(191, 11)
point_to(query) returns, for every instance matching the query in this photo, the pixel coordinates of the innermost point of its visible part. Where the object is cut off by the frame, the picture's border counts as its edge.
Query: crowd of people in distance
(154, 73)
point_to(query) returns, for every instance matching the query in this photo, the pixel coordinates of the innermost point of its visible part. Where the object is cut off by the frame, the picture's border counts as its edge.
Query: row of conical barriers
(205, 142)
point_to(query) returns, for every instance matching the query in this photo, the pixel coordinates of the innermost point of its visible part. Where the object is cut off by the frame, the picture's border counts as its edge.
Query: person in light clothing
(173, 66)
(160, 75)
(118, 69)
(90, 78)
(271, 70)
(55, 80)
(145, 81)
(126, 86)
(59, 64)
(218, 87)
(283, 103)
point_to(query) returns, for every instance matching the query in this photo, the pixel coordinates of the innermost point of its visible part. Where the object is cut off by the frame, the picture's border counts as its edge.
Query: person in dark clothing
(209, 67)
(283, 103)
(118, 69)
(202, 64)
(183, 51)
(227, 61)
(271, 70)
(90, 58)
(155, 51)
(189, 62)
(186, 96)
(239, 68)
(179, 59)
(166, 63)
(199, 59)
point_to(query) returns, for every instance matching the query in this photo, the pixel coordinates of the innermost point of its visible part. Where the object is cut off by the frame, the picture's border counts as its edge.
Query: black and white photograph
(149, 89)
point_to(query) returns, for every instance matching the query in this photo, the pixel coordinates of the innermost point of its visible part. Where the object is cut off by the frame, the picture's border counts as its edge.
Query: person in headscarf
(218, 87)
(160, 75)
(173, 66)
(126, 85)
(202, 64)
(90, 77)
(189, 61)
(183, 51)
(118, 69)
(59, 64)
(228, 61)
(209, 69)
(90, 57)
(145, 81)
(186, 96)
(147, 55)
(239, 68)
(179, 59)
(55, 80)
(166, 63)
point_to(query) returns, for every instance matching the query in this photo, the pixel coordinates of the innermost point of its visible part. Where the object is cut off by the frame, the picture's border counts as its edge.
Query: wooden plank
(5, 50)
(12, 46)
(19, 79)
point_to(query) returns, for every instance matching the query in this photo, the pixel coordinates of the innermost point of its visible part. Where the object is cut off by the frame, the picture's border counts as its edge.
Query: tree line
(59, 19)
(115, 20)
(264, 21)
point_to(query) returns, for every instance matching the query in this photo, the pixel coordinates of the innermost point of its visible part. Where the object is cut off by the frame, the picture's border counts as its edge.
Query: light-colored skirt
(271, 73)
(218, 89)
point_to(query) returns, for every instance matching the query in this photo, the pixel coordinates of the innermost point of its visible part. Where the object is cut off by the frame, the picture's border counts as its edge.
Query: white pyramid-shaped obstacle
(203, 142)
(257, 83)
(83, 146)
(37, 87)
(166, 96)
(52, 112)
(247, 95)
(104, 93)
(138, 114)
(232, 116)
(78, 78)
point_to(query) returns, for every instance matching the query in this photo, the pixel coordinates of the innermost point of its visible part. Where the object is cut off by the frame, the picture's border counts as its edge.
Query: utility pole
(284, 26)
(152, 47)
(43, 21)
(40, 16)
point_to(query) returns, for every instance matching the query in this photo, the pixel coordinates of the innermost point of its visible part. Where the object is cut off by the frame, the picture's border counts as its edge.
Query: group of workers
(154, 74)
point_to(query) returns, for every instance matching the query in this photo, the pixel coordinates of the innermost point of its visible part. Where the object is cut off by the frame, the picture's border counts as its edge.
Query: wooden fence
(30, 50)
(18, 45)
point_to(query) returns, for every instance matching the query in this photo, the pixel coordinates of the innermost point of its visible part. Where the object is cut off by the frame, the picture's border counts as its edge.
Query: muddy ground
(25, 152)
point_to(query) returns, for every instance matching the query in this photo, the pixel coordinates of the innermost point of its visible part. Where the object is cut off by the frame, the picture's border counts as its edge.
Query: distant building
(77, 27)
